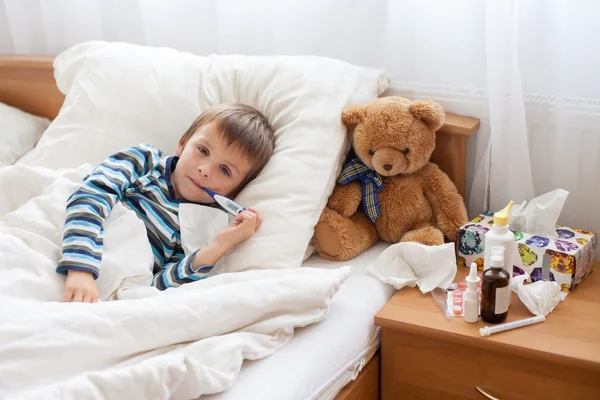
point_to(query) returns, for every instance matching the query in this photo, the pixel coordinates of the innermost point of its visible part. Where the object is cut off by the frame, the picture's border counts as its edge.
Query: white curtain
(527, 68)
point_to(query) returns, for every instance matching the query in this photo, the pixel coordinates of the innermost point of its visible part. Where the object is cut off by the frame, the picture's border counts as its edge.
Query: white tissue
(540, 297)
(538, 216)
(410, 264)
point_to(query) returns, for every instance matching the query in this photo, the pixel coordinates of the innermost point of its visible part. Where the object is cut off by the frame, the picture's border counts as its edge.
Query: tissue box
(572, 254)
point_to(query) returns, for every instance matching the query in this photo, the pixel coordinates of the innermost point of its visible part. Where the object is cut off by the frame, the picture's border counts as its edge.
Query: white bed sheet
(323, 357)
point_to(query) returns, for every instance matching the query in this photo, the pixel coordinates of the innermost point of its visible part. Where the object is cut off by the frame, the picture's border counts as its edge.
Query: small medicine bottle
(495, 289)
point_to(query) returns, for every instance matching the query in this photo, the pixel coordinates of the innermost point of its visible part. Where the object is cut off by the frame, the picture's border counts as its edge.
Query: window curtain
(527, 68)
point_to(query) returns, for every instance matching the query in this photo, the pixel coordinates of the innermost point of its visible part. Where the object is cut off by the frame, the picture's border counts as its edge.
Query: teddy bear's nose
(387, 167)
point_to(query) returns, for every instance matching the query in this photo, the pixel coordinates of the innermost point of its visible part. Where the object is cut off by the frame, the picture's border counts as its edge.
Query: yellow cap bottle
(501, 236)
(501, 217)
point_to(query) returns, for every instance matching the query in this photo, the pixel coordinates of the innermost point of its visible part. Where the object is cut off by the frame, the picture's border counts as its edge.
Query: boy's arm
(182, 269)
(91, 203)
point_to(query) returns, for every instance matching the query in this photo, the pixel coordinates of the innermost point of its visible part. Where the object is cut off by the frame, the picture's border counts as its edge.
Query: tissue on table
(410, 264)
(540, 297)
(572, 251)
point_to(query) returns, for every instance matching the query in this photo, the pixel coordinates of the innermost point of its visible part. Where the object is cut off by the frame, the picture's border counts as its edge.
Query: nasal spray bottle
(499, 235)
(471, 303)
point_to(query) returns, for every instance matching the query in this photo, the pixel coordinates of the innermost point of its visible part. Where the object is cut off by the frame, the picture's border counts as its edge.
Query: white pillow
(19, 132)
(119, 95)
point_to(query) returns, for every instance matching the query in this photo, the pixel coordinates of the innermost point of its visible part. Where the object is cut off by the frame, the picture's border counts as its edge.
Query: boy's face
(206, 161)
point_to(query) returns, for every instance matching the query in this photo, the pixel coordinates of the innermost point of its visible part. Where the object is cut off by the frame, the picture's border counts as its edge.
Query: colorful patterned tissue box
(571, 256)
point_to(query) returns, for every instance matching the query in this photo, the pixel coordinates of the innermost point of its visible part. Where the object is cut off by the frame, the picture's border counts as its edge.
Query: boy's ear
(180, 147)
(431, 113)
(353, 115)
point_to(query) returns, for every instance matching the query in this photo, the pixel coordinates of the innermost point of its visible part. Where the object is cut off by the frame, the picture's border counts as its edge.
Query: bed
(317, 363)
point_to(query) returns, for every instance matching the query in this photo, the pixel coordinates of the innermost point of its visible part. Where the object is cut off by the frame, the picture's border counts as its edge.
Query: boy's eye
(203, 150)
(225, 171)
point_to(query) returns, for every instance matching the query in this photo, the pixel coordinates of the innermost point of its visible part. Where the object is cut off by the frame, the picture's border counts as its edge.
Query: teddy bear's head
(394, 135)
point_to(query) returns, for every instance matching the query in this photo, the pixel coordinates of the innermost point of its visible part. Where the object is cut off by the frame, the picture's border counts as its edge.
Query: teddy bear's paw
(452, 218)
(339, 239)
(453, 234)
(345, 199)
(428, 236)
(326, 241)
(340, 207)
(451, 228)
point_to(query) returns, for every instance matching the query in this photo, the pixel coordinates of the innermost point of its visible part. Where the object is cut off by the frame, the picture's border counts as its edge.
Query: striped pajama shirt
(139, 177)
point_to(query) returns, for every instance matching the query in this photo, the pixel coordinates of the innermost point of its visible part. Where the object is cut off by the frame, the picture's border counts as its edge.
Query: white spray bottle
(501, 236)
(471, 302)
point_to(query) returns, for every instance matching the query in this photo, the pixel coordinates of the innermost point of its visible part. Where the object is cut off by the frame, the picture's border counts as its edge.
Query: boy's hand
(80, 287)
(247, 222)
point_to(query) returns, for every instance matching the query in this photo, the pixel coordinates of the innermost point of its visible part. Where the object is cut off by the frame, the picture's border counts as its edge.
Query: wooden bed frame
(27, 82)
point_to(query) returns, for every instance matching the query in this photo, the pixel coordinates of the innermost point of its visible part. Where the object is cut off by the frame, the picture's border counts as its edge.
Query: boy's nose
(204, 170)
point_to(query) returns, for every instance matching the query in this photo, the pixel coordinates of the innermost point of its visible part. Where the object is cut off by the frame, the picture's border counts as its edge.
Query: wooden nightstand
(425, 356)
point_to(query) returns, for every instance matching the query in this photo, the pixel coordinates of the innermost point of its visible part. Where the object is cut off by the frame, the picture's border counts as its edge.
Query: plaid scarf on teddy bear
(371, 183)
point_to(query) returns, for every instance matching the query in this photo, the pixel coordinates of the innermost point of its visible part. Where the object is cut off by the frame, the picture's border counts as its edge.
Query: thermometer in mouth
(226, 204)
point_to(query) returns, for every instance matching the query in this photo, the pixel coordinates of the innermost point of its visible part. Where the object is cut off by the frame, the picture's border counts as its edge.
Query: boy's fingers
(87, 299)
(78, 296)
(258, 220)
(247, 216)
(68, 295)
(258, 217)
(95, 299)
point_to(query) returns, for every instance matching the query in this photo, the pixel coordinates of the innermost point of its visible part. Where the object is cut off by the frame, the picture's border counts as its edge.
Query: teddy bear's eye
(405, 151)
(371, 152)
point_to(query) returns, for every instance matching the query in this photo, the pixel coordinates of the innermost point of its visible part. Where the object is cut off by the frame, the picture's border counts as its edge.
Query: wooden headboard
(27, 82)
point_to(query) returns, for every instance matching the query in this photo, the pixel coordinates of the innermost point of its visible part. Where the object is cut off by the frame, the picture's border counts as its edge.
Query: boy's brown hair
(242, 126)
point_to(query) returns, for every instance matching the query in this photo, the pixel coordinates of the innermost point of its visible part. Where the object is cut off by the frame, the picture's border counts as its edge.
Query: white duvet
(180, 343)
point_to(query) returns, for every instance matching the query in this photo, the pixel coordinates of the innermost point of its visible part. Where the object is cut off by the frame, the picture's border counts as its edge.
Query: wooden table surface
(571, 331)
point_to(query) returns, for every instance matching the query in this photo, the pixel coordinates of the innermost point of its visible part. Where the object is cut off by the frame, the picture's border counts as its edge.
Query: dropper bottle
(471, 302)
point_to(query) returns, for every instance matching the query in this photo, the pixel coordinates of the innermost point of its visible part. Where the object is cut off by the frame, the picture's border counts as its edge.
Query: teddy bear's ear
(353, 115)
(429, 112)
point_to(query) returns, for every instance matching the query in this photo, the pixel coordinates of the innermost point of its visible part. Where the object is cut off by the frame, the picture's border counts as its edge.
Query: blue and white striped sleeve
(178, 270)
(91, 203)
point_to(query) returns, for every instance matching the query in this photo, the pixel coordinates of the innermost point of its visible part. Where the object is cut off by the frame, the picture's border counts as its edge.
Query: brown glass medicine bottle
(495, 292)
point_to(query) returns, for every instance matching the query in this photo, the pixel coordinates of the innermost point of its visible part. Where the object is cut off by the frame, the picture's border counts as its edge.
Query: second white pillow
(19, 132)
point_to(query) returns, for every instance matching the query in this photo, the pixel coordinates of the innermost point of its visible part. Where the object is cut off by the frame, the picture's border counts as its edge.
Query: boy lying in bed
(224, 149)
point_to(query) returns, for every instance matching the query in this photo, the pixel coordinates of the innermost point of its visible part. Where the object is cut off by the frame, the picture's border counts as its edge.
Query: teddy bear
(388, 189)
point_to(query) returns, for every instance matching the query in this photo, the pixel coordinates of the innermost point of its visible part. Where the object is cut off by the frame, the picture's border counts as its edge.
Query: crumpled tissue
(540, 297)
(413, 264)
(539, 215)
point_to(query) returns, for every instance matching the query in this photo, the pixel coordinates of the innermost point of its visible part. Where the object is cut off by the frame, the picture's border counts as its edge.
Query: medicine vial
(495, 289)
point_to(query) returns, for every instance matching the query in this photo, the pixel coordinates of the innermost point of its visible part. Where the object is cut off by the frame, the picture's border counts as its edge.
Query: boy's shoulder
(142, 157)
(145, 149)
(142, 152)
